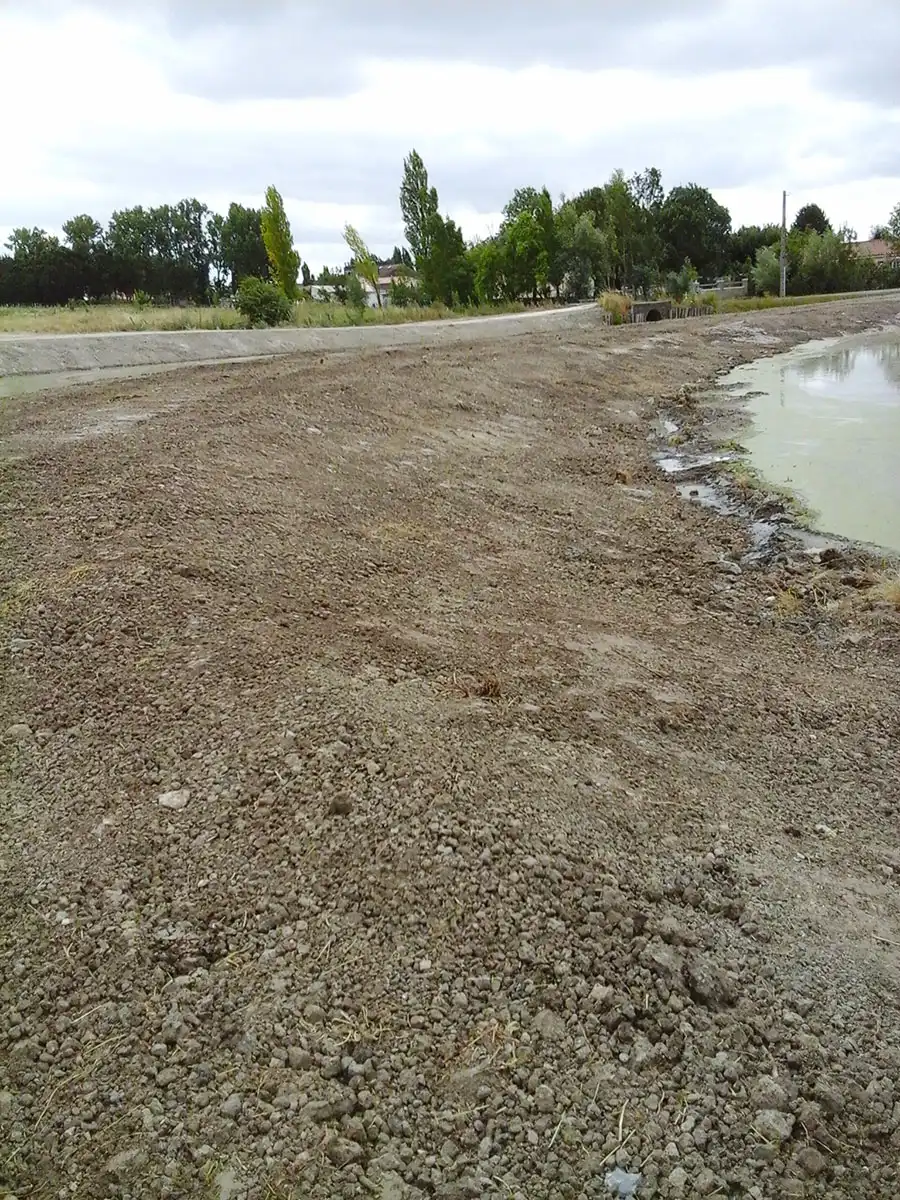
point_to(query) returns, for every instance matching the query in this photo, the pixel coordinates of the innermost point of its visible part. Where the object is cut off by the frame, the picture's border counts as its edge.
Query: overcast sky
(111, 103)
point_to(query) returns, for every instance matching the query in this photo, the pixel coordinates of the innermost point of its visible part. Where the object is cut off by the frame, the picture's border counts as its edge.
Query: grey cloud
(293, 48)
(355, 170)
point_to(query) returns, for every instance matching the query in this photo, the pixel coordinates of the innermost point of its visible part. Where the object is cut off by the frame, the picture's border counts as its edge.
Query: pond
(825, 422)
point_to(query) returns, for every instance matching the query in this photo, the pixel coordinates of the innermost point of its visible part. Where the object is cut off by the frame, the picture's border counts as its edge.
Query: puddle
(825, 423)
(686, 465)
(23, 385)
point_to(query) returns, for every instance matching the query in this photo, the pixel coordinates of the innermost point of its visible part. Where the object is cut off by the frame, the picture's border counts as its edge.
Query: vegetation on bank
(627, 236)
(754, 303)
(131, 318)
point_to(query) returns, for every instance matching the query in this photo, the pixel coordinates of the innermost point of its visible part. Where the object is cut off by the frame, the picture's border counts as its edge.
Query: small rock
(622, 1183)
(319, 1111)
(232, 1106)
(677, 1181)
(706, 1183)
(544, 1099)
(549, 1025)
(829, 1097)
(126, 1160)
(768, 1093)
(175, 801)
(793, 1189)
(299, 1059)
(343, 1152)
(811, 1161)
(392, 1187)
(18, 733)
(772, 1125)
(707, 983)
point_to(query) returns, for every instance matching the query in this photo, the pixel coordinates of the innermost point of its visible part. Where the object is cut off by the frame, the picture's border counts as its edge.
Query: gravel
(496, 873)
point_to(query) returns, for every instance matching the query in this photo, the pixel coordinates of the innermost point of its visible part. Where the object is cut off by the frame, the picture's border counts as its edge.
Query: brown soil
(515, 837)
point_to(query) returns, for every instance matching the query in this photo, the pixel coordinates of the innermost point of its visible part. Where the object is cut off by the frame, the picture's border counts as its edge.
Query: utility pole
(783, 262)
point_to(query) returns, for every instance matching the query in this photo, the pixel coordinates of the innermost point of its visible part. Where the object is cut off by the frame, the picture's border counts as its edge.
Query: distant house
(388, 273)
(320, 291)
(880, 251)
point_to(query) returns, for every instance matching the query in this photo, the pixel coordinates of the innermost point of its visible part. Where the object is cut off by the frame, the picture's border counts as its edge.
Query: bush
(404, 293)
(681, 283)
(355, 292)
(263, 303)
(617, 305)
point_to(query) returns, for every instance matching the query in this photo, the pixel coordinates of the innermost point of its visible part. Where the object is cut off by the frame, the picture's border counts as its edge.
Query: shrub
(356, 293)
(681, 283)
(142, 299)
(263, 303)
(404, 293)
(617, 305)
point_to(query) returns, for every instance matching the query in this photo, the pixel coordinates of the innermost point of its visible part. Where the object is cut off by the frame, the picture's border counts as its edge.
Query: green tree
(487, 263)
(447, 275)
(626, 214)
(694, 225)
(243, 248)
(82, 232)
(744, 243)
(680, 284)
(364, 262)
(766, 272)
(352, 291)
(893, 229)
(214, 229)
(581, 261)
(401, 257)
(284, 261)
(812, 217)
(31, 243)
(419, 206)
(528, 236)
(647, 189)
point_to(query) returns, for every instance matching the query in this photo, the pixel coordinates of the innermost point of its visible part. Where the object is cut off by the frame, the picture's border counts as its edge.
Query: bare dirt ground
(404, 795)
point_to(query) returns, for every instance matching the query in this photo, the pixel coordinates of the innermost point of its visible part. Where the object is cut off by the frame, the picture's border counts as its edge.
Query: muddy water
(825, 422)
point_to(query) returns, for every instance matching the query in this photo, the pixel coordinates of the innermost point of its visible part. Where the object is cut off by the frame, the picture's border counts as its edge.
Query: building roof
(875, 248)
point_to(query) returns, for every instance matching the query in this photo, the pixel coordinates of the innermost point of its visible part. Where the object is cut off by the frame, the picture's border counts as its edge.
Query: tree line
(627, 234)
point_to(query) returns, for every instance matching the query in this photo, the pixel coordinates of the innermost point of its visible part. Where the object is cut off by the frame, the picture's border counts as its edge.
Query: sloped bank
(400, 801)
(32, 354)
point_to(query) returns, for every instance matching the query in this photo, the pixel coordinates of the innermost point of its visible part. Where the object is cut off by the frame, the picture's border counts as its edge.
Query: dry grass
(617, 305)
(887, 590)
(788, 604)
(752, 303)
(133, 318)
(115, 318)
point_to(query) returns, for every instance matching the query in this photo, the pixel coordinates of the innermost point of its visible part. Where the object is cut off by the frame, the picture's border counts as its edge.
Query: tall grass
(133, 318)
(617, 305)
(751, 303)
